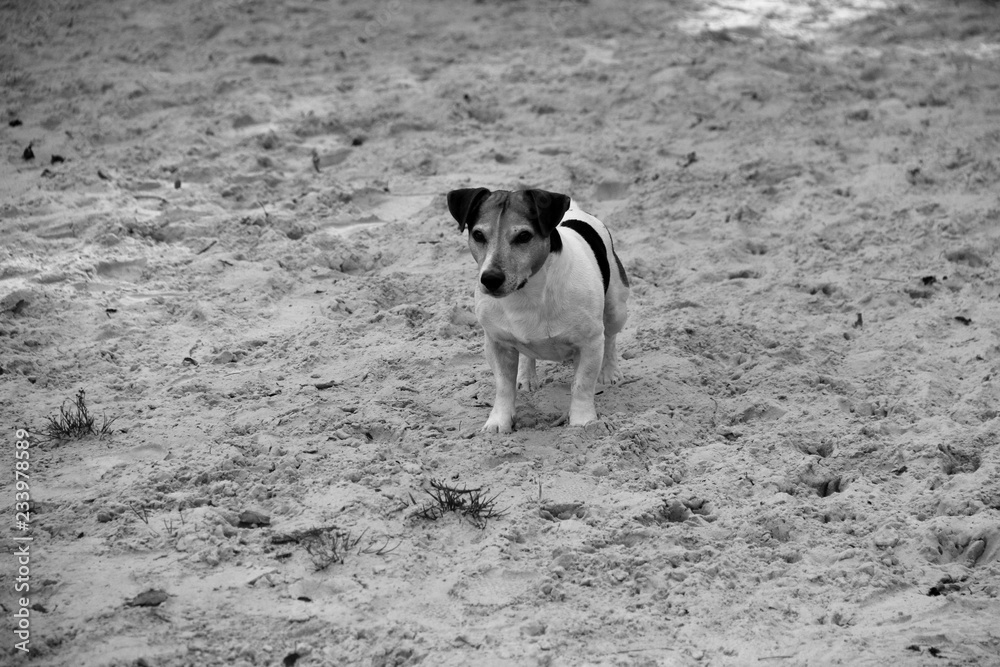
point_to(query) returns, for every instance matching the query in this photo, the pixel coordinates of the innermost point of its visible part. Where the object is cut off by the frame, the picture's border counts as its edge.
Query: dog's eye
(478, 236)
(523, 237)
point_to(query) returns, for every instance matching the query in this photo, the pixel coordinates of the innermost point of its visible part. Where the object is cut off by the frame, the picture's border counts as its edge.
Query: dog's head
(510, 233)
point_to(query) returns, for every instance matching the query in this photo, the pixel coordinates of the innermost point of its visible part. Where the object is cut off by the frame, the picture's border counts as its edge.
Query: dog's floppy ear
(549, 208)
(464, 204)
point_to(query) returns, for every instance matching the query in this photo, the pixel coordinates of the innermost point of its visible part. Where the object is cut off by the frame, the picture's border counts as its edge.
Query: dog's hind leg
(610, 373)
(615, 315)
(527, 375)
(588, 367)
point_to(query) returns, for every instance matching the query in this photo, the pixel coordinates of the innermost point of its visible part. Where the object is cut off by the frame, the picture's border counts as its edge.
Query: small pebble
(252, 518)
(150, 598)
(224, 358)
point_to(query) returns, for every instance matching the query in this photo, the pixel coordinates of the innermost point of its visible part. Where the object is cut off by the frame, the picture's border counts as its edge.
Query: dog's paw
(581, 416)
(499, 424)
(527, 382)
(610, 374)
(527, 374)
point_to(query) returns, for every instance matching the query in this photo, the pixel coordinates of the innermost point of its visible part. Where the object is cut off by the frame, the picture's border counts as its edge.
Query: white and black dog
(550, 287)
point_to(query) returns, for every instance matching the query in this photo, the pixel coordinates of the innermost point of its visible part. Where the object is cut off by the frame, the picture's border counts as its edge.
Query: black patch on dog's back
(596, 243)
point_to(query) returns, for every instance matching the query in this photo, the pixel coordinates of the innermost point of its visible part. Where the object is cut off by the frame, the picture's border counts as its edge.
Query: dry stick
(384, 548)
(162, 199)
(144, 516)
(639, 650)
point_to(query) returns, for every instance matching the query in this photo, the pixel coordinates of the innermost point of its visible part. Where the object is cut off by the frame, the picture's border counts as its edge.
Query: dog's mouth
(500, 292)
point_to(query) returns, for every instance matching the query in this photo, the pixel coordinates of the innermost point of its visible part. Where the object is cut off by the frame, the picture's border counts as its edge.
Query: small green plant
(75, 422)
(474, 504)
(327, 546)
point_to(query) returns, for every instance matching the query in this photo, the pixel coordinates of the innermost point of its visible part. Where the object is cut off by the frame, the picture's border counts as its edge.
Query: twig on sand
(143, 515)
(162, 199)
(639, 650)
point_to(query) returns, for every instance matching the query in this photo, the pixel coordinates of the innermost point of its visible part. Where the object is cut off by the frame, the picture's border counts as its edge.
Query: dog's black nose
(492, 279)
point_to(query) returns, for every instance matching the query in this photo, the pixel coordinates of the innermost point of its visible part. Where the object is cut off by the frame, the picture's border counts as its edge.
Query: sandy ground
(233, 235)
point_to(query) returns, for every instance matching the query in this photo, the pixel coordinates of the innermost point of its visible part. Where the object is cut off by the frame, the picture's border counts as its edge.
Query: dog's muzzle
(492, 280)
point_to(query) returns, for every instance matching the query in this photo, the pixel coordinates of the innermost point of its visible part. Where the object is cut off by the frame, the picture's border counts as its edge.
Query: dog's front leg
(503, 361)
(588, 367)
